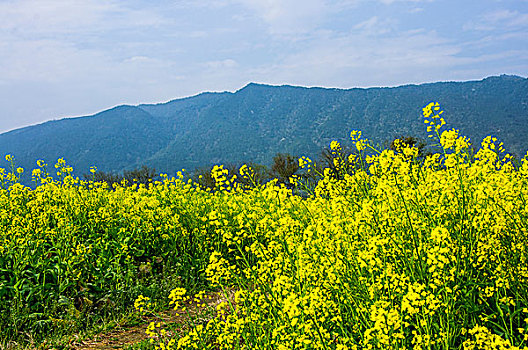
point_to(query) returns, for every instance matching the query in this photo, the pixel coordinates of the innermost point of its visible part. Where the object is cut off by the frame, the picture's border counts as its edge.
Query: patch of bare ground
(125, 336)
(115, 339)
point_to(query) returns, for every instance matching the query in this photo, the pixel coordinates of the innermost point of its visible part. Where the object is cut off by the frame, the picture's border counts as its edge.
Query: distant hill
(258, 121)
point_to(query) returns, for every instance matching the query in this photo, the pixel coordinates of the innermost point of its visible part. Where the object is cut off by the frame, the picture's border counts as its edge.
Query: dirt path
(129, 335)
(115, 339)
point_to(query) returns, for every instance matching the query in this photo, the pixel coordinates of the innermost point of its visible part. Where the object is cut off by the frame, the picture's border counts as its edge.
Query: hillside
(258, 121)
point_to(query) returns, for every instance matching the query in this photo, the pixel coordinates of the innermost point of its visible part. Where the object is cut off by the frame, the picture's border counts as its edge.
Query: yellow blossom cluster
(395, 252)
(396, 255)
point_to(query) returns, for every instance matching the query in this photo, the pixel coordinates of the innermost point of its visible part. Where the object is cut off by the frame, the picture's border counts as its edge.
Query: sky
(64, 58)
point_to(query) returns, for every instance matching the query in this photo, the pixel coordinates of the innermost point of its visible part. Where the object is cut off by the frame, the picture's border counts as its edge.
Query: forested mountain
(258, 121)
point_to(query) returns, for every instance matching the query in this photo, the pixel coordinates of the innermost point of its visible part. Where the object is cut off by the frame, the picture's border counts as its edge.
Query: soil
(129, 335)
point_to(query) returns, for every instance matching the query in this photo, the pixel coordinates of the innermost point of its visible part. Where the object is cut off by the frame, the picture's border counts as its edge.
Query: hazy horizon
(234, 91)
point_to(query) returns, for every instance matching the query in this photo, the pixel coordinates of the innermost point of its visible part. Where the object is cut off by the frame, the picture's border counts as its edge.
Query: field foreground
(390, 250)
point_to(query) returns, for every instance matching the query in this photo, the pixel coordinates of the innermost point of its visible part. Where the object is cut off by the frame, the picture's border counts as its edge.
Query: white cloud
(355, 3)
(227, 63)
(500, 19)
(297, 17)
(416, 10)
(50, 40)
(137, 59)
(361, 60)
(45, 60)
(368, 24)
(390, 2)
(59, 18)
(512, 18)
(47, 16)
(375, 26)
(288, 16)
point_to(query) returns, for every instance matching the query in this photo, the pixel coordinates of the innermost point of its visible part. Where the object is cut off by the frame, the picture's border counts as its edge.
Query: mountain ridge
(260, 120)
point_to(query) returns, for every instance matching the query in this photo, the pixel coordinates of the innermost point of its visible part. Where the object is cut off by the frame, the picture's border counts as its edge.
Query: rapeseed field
(389, 250)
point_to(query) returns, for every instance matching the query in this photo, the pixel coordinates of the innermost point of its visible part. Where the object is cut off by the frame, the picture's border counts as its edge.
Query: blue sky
(61, 58)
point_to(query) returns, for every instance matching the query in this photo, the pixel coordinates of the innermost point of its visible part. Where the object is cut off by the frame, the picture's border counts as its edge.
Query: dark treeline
(142, 175)
(283, 167)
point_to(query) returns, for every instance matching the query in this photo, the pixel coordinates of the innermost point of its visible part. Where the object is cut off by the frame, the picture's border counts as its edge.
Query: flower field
(393, 251)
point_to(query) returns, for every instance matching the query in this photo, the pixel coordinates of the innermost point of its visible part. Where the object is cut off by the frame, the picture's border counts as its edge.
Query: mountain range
(258, 121)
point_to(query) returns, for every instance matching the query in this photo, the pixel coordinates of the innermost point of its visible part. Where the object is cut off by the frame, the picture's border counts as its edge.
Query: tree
(142, 175)
(410, 141)
(283, 167)
(202, 177)
(252, 174)
(338, 161)
(100, 176)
